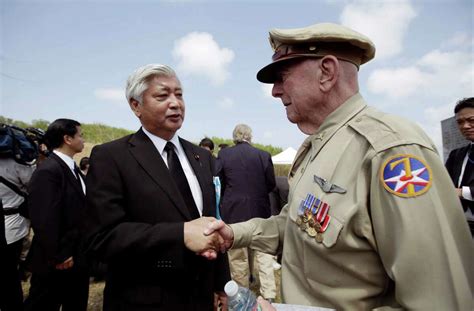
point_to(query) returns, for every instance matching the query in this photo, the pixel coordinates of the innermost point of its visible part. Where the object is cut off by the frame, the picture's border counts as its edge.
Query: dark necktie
(180, 179)
(78, 176)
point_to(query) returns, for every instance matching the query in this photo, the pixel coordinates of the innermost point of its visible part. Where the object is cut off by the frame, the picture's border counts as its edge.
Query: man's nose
(174, 101)
(277, 90)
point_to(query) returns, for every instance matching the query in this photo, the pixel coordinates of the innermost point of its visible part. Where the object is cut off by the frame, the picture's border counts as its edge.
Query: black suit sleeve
(269, 174)
(44, 205)
(113, 233)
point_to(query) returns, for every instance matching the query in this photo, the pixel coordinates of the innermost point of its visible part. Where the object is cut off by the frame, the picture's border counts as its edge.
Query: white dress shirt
(466, 191)
(70, 163)
(160, 144)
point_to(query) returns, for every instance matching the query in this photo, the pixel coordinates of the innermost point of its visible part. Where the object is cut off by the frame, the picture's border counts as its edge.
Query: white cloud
(442, 74)
(458, 39)
(267, 90)
(384, 22)
(226, 103)
(110, 94)
(399, 82)
(198, 53)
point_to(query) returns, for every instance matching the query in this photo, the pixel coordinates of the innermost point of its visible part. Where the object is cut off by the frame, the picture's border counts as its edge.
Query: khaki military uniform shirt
(383, 248)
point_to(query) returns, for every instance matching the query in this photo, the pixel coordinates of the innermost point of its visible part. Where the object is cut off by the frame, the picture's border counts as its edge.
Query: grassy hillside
(97, 133)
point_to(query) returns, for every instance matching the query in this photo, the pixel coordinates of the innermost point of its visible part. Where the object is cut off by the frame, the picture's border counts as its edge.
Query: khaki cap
(317, 40)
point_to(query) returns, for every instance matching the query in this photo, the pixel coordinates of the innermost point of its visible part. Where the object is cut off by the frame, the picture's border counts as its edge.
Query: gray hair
(137, 82)
(242, 132)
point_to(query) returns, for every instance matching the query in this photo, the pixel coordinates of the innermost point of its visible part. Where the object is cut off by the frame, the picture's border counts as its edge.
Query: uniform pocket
(332, 232)
(321, 268)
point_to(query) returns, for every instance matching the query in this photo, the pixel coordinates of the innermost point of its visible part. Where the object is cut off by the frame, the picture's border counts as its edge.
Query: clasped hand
(206, 236)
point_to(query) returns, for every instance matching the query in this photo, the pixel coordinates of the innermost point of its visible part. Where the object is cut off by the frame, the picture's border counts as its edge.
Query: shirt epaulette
(383, 131)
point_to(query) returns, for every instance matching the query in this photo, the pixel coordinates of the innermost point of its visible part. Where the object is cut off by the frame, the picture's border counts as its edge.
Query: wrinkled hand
(67, 264)
(225, 232)
(265, 305)
(195, 239)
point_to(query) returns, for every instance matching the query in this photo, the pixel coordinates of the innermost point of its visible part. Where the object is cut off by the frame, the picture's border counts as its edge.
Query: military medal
(303, 226)
(313, 217)
(317, 226)
(325, 224)
(319, 237)
(311, 232)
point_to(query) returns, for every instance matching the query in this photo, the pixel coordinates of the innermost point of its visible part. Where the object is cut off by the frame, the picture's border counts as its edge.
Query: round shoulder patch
(406, 175)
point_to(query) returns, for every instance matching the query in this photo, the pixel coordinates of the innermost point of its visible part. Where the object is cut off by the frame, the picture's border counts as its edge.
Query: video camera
(23, 145)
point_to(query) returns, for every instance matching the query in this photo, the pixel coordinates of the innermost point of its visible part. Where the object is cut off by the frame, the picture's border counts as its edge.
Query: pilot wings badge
(328, 187)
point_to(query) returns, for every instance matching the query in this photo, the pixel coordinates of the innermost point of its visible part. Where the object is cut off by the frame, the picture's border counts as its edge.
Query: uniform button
(358, 119)
(302, 170)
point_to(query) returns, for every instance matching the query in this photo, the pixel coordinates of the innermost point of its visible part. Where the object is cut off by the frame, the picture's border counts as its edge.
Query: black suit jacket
(279, 195)
(454, 167)
(56, 204)
(135, 218)
(247, 178)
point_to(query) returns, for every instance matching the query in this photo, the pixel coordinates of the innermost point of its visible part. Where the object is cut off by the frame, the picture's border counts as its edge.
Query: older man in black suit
(247, 178)
(460, 163)
(56, 206)
(147, 195)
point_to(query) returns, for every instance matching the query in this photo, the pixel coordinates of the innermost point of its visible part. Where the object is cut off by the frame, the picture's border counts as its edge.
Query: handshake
(206, 236)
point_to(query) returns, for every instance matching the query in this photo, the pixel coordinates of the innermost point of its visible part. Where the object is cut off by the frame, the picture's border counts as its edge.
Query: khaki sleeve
(264, 235)
(422, 238)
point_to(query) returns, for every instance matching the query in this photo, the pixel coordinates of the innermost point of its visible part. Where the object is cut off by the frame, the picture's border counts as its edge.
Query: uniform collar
(340, 116)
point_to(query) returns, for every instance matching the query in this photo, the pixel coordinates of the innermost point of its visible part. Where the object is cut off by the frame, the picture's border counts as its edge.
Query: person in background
(207, 143)
(222, 146)
(56, 204)
(460, 162)
(84, 165)
(373, 220)
(149, 197)
(247, 178)
(279, 195)
(14, 180)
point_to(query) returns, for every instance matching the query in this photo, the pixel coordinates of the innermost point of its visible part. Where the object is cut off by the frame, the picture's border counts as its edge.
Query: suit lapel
(470, 173)
(69, 174)
(143, 150)
(196, 164)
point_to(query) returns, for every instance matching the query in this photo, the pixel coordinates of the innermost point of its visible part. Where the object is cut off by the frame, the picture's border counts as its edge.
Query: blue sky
(72, 58)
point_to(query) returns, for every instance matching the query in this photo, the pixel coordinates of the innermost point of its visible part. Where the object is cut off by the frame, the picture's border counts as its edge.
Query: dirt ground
(96, 290)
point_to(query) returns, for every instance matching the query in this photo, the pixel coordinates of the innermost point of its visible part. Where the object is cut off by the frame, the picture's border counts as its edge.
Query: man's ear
(134, 104)
(329, 66)
(67, 140)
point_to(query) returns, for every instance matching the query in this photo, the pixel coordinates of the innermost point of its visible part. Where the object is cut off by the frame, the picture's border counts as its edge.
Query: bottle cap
(231, 288)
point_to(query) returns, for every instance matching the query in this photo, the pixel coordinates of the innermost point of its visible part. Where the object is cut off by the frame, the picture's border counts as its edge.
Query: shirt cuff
(466, 193)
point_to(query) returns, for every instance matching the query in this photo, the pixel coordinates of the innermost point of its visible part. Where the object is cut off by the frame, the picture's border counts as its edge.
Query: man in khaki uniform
(372, 220)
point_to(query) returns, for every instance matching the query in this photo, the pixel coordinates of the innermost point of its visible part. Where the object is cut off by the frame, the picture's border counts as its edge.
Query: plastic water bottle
(240, 298)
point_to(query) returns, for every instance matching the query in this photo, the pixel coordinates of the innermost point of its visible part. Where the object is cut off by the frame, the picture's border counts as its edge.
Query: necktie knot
(169, 147)
(77, 171)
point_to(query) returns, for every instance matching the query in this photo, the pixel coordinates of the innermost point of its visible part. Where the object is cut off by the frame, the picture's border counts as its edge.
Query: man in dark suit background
(279, 195)
(247, 178)
(56, 205)
(147, 195)
(460, 163)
